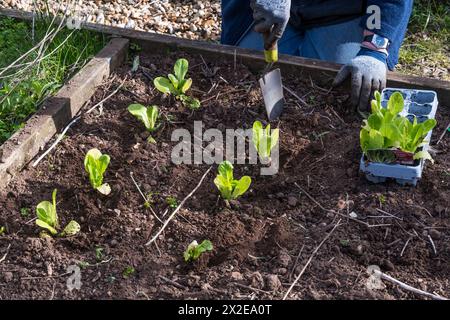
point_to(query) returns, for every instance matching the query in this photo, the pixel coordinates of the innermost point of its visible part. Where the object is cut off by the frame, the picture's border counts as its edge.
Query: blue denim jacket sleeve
(394, 16)
(237, 16)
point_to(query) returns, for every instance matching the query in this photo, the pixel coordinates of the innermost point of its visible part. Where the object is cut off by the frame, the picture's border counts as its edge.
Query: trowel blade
(272, 90)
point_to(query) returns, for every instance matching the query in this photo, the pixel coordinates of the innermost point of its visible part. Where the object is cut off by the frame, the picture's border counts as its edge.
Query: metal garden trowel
(271, 85)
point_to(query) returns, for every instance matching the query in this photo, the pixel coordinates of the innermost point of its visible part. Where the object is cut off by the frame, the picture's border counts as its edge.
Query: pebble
(284, 259)
(434, 234)
(387, 265)
(292, 201)
(273, 283)
(280, 271)
(353, 215)
(8, 276)
(237, 275)
(257, 280)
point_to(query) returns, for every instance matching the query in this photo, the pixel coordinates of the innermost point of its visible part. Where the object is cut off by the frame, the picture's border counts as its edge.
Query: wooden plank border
(58, 110)
(320, 71)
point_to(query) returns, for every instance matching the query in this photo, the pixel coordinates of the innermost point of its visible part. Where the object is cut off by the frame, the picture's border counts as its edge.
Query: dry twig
(309, 260)
(178, 208)
(408, 287)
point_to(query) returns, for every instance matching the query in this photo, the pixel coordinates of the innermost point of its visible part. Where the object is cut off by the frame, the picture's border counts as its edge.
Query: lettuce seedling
(96, 164)
(128, 272)
(230, 188)
(172, 201)
(177, 84)
(148, 116)
(386, 130)
(195, 250)
(2, 230)
(264, 140)
(47, 218)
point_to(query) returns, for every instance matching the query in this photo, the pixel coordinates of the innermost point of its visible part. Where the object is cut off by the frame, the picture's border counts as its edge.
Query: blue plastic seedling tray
(420, 103)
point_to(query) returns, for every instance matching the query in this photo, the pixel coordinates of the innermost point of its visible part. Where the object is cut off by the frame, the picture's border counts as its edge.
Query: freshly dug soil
(262, 241)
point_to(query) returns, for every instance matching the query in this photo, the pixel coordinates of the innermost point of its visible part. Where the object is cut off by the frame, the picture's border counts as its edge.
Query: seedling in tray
(195, 250)
(148, 116)
(230, 188)
(387, 137)
(177, 84)
(96, 164)
(264, 140)
(47, 218)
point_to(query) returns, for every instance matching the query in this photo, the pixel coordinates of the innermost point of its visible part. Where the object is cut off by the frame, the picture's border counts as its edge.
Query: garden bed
(263, 241)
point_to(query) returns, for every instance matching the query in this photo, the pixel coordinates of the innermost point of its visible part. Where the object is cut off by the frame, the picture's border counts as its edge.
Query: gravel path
(182, 18)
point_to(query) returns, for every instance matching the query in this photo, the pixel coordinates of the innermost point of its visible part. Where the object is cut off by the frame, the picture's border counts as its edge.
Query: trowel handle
(270, 49)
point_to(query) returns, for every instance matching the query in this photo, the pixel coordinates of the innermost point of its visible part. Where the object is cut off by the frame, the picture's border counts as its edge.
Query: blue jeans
(335, 43)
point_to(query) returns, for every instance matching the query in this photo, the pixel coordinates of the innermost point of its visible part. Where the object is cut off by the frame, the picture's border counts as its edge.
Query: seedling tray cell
(421, 104)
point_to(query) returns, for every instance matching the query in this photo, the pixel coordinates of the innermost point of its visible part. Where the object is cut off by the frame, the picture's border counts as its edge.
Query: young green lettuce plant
(47, 218)
(96, 164)
(264, 140)
(195, 250)
(177, 84)
(230, 188)
(386, 130)
(147, 115)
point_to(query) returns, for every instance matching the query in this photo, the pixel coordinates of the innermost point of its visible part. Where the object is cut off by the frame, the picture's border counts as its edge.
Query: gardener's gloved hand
(368, 71)
(271, 17)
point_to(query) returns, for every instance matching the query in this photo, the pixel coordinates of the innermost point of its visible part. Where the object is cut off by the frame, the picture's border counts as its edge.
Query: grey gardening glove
(271, 18)
(368, 72)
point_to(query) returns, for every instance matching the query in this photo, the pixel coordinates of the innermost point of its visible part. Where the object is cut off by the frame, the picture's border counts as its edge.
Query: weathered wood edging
(58, 110)
(320, 71)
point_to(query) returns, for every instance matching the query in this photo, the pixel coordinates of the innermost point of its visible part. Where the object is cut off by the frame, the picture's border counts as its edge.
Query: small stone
(130, 24)
(8, 276)
(280, 195)
(292, 201)
(387, 265)
(117, 211)
(284, 259)
(359, 249)
(273, 283)
(280, 271)
(153, 183)
(257, 280)
(341, 204)
(100, 18)
(114, 242)
(236, 275)
(353, 215)
(49, 270)
(33, 244)
(434, 234)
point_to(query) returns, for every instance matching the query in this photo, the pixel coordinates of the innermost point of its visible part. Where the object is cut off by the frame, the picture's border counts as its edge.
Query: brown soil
(262, 241)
